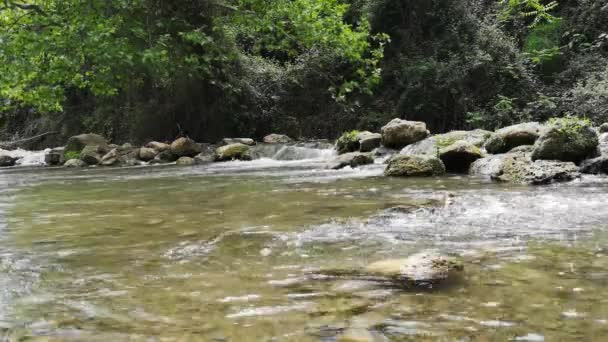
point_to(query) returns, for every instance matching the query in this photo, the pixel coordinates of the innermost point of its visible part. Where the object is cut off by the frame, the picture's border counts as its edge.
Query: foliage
(71, 155)
(590, 97)
(534, 9)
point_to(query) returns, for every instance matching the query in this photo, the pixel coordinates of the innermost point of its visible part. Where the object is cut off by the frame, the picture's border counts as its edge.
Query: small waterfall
(305, 151)
(26, 158)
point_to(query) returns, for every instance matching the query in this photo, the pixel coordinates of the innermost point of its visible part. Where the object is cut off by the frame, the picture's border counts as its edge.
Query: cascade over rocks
(414, 166)
(507, 138)
(185, 147)
(352, 159)
(277, 139)
(566, 139)
(232, 152)
(399, 133)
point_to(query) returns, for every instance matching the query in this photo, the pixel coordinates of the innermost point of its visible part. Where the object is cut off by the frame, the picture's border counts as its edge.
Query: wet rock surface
(510, 137)
(414, 166)
(399, 133)
(353, 159)
(566, 140)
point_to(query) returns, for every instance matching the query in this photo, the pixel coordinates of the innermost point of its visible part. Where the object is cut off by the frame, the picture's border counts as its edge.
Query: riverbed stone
(595, 166)
(419, 269)
(92, 154)
(369, 141)
(146, 154)
(414, 166)
(519, 168)
(277, 139)
(399, 133)
(111, 158)
(77, 143)
(459, 156)
(230, 141)
(509, 137)
(603, 128)
(185, 161)
(74, 163)
(568, 140)
(158, 146)
(54, 157)
(7, 161)
(232, 152)
(353, 159)
(185, 147)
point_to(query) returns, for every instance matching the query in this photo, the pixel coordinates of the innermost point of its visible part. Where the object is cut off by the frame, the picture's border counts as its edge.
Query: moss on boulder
(566, 139)
(414, 166)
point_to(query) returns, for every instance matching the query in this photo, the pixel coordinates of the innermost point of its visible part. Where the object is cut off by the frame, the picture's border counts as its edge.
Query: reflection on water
(226, 252)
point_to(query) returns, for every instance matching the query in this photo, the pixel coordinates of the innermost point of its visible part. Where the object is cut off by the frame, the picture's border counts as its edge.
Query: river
(229, 252)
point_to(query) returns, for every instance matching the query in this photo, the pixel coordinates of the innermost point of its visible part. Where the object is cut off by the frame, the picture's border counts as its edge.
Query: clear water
(234, 252)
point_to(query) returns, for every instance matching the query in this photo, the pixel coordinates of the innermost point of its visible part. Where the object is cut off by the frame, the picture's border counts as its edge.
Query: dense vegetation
(143, 69)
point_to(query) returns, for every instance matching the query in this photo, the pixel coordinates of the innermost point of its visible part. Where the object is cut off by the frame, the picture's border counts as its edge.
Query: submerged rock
(459, 156)
(414, 166)
(400, 133)
(507, 138)
(352, 159)
(7, 161)
(419, 269)
(232, 152)
(566, 139)
(185, 147)
(75, 163)
(277, 139)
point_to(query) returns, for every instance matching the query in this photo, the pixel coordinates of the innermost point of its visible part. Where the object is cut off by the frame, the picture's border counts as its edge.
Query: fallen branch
(21, 141)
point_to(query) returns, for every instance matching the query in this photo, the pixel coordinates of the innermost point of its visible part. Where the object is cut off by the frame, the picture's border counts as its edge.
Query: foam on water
(26, 158)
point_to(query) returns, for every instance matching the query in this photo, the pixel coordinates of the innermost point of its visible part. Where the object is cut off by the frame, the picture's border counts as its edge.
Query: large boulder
(566, 139)
(92, 154)
(421, 269)
(230, 141)
(595, 166)
(77, 143)
(414, 166)
(277, 139)
(232, 152)
(348, 142)
(54, 156)
(519, 168)
(352, 159)
(7, 161)
(158, 146)
(400, 133)
(459, 156)
(185, 161)
(505, 139)
(431, 145)
(185, 147)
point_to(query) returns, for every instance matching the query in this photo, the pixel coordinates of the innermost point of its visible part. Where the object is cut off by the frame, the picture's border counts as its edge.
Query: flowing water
(235, 252)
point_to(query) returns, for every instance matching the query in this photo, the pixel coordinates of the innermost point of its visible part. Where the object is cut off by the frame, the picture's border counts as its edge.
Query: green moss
(348, 142)
(71, 155)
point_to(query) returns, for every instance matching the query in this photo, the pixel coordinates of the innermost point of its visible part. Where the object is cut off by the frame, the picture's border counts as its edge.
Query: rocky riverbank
(529, 153)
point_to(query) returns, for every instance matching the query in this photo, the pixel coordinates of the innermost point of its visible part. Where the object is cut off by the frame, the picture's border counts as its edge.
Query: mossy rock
(232, 152)
(505, 139)
(414, 166)
(567, 139)
(77, 143)
(348, 142)
(459, 156)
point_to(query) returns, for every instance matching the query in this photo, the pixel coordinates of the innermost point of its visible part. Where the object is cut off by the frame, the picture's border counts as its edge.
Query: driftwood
(16, 143)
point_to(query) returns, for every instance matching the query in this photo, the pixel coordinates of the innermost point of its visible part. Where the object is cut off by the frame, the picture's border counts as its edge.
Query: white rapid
(26, 158)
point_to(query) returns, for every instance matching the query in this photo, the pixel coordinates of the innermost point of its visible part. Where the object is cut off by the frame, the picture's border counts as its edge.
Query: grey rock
(414, 166)
(277, 139)
(232, 152)
(92, 154)
(369, 141)
(158, 146)
(185, 147)
(509, 137)
(73, 163)
(566, 140)
(77, 143)
(146, 154)
(230, 141)
(459, 156)
(353, 159)
(419, 269)
(399, 133)
(55, 157)
(185, 161)
(7, 161)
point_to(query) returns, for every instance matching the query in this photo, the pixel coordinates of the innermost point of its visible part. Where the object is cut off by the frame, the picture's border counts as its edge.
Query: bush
(590, 97)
